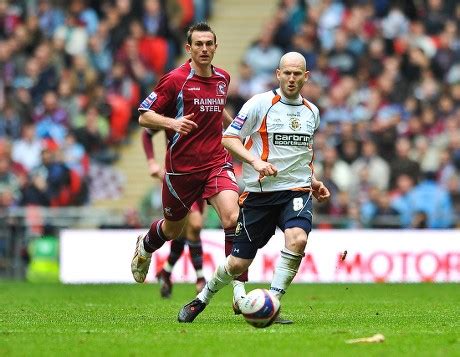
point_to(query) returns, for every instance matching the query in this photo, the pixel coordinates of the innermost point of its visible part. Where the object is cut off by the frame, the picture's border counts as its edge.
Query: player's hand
(265, 168)
(320, 191)
(155, 170)
(184, 125)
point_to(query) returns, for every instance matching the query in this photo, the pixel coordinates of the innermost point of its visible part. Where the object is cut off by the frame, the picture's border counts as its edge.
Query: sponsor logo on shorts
(292, 140)
(147, 103)
(238, 228)
(167, 211)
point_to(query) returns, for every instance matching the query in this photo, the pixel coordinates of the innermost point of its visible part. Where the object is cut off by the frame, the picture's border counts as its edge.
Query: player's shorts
(261, 213)
(181, 191)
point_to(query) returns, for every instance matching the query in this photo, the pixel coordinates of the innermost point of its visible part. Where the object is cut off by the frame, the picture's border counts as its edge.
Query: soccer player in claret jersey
(188, 103)
(192, 233)
(277, 128)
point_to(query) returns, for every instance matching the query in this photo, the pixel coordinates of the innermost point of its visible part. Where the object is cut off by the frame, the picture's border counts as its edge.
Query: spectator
(429, 197)
(400, 201)
(263, 57)
(377, 168)
(9, 184)
(402, 164)
(27, 150)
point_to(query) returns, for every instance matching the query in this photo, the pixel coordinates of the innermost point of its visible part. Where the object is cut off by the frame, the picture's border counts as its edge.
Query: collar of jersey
(296, 101)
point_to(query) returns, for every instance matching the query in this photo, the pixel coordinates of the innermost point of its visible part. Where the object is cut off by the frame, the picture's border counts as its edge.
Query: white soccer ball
(260, 308)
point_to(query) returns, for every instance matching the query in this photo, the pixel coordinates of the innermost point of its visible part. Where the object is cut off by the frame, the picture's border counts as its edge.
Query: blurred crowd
(384, 73)
(72, 75)
(386, 77)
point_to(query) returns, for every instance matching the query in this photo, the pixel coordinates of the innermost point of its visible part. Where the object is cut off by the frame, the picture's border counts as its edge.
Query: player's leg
(224, 274)
(158, 234)
(222, 193)
(257, 226)
(164, 275)
(177, 198)
(195, 224)
(226, 205)
(295, 220)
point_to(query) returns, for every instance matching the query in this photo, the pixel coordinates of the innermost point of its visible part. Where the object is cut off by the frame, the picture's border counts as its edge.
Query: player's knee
(173, 231)
(194, 229)
(229, 220)
(236, 266)
(296, 239)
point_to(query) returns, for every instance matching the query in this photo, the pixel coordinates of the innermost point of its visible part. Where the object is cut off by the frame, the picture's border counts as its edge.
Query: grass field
(131, 320)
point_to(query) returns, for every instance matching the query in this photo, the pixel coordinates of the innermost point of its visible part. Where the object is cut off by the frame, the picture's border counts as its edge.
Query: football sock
(229, 235)
(220, 278)
(238, 290)
(196, 254)
(286, 269)
(155, 238)
(177, 247)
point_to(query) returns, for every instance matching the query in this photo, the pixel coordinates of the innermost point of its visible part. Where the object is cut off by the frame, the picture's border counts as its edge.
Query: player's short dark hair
(200, 27)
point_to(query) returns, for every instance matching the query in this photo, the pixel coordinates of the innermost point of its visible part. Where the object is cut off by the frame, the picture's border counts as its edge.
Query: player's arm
(151, 120)
(320, 191)
(235, 146)
(155, 169)
(227, 119)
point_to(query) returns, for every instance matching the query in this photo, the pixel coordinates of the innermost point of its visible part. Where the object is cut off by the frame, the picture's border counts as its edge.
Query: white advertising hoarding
(104, 256)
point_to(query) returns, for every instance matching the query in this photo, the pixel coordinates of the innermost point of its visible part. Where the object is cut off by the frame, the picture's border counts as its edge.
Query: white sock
(168, 267)
(199, 274)
(238, 290)
(286, 269)
(219, 279)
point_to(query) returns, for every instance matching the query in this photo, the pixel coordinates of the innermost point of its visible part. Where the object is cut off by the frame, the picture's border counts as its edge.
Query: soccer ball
(260, 308)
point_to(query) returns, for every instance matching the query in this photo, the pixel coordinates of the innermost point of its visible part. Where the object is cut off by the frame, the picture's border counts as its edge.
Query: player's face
(292, 76)
(202, 48)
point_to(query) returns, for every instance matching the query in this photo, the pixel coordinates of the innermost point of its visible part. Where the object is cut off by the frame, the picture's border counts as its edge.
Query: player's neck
(291, 100)
(202, 71)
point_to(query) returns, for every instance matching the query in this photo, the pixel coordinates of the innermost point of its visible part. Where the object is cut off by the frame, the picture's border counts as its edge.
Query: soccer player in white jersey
(273, 136)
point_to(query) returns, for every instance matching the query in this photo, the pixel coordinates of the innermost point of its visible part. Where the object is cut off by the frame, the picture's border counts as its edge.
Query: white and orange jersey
(279, 131)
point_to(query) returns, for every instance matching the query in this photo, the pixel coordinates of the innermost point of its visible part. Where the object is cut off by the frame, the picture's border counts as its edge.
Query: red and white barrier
(104, 256)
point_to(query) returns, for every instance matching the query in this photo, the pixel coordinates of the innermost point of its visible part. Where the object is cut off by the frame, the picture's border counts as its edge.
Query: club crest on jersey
(294, 123)
(221, 88)
(147, 103)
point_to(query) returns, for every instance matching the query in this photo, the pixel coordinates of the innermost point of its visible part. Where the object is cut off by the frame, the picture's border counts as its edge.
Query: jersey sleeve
(245, 123)
(162, 98)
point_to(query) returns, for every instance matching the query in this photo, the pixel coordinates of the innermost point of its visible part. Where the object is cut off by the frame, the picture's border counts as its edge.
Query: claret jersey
(279, 131)
(181, 92)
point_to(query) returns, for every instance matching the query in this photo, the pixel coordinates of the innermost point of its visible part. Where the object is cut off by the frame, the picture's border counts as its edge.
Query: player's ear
(307, 75)
(278, 72)
(188, 48)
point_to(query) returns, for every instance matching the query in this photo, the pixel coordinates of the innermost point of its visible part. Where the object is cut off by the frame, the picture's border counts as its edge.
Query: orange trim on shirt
(311, 163)
(248, 143)
(302, 189)
(306, 104)
(264, 136)
(263, 131)
(242, 198)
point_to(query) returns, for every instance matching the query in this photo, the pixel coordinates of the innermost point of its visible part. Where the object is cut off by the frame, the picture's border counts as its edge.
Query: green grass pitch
(131, 320)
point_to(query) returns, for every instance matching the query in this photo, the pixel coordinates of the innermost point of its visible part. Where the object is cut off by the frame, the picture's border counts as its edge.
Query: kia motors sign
(104, 256)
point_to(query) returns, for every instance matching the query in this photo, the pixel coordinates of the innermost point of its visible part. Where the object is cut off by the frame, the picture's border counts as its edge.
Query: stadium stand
(384, 73)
